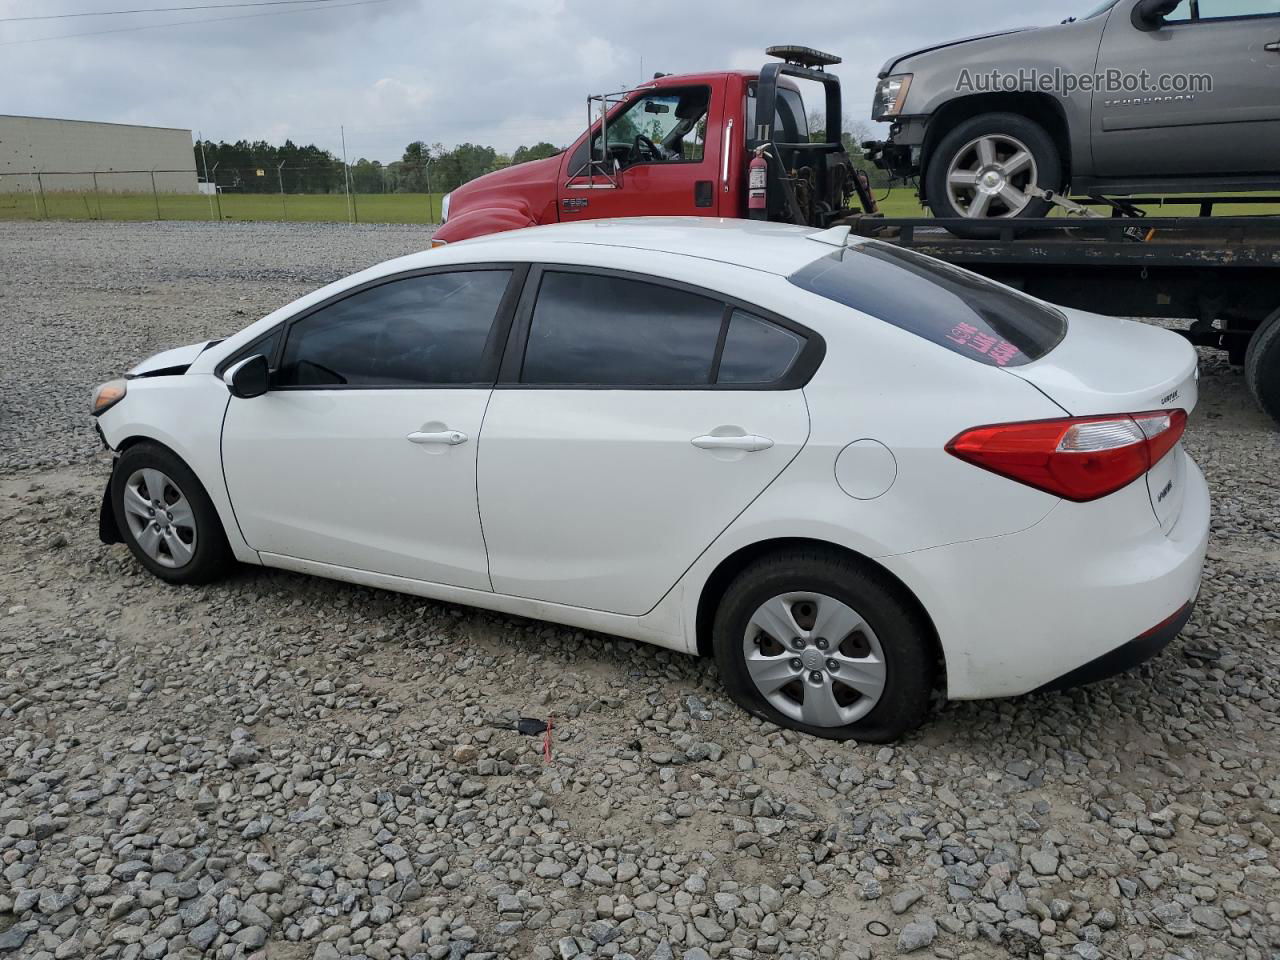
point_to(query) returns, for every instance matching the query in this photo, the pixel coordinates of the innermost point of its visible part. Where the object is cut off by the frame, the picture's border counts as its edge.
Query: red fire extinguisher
(757, 191)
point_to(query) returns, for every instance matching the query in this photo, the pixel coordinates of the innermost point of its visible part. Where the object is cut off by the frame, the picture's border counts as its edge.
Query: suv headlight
(107, 395)
(444, 207)
(891, 94)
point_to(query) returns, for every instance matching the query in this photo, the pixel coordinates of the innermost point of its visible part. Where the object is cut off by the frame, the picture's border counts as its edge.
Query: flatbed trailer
(1221, 274)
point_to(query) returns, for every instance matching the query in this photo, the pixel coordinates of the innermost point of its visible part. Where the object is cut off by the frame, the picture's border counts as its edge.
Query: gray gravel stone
(917, 935)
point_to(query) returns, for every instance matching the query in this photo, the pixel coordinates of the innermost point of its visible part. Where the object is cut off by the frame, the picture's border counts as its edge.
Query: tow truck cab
(683, 146)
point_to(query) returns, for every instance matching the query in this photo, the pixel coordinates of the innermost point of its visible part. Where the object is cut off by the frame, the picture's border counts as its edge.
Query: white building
(54, 155)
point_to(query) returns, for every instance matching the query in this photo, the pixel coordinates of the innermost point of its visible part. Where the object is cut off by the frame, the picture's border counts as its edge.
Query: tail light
(1076, 458)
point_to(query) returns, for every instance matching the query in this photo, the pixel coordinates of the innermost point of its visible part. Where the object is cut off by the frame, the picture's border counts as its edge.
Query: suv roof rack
(803, 56)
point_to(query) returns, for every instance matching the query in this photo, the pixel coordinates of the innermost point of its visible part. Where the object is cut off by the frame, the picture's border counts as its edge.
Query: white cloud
(504, 72)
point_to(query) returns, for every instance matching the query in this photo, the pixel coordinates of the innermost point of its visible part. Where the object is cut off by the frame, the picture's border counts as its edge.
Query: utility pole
(216, 195)
(431, 197)
(205, 160)
(284, 210)
(346, 172)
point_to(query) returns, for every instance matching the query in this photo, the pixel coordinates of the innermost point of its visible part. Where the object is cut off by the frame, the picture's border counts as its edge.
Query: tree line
(260, 167)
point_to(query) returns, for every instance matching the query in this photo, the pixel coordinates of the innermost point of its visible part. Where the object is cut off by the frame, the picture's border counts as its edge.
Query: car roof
(776, 248)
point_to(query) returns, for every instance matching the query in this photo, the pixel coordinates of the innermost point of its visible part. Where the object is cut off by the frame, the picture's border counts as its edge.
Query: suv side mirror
(1150, 14)
(249, 378)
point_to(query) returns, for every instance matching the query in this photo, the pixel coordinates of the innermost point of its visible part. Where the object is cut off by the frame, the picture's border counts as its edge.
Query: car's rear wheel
(166, 518)
(985, 168)
(815, 641)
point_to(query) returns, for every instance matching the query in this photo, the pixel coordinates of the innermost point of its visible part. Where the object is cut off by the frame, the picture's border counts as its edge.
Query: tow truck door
(684, 176)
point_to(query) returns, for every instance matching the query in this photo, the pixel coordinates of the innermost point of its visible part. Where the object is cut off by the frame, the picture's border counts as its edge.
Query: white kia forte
(851, 473)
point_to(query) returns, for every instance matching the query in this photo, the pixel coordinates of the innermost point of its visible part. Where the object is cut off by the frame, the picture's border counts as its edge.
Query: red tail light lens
(1076, 458)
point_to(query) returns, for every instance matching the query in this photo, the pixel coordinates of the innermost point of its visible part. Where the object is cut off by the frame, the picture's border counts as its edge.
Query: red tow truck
(724, 144)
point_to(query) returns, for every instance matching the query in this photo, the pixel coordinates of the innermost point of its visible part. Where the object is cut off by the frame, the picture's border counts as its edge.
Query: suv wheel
(814, 641)
(166, 518)
(983, 168)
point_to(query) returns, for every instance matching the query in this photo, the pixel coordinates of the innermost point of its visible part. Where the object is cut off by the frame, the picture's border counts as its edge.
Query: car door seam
(488, 564)
(222, 466)
(808, 424)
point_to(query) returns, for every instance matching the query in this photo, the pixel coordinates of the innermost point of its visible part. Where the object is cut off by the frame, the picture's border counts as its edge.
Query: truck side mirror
(1150, 14)
(249, 378)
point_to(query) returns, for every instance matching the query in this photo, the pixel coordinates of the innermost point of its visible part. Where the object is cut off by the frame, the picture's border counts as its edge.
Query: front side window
(661, 127)
(945, 304)
(419, 331)
(1222, 9)
(265, 346)
(591, 329)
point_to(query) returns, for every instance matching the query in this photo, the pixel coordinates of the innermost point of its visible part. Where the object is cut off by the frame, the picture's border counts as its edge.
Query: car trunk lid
(1109, 365)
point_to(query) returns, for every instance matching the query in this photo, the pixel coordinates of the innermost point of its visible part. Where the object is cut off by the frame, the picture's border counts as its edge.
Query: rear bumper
(1137, 651)
(1062, 602)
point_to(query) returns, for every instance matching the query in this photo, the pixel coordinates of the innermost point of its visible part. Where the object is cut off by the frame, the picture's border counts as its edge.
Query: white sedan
(851, 473)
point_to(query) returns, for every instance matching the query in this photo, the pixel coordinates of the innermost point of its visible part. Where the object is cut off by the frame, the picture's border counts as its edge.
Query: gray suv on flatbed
(1136, 96)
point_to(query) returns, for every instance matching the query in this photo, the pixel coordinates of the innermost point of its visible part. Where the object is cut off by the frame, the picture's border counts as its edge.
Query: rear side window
(592, 329)
(944, 304)
(756, 351)
(420, 331)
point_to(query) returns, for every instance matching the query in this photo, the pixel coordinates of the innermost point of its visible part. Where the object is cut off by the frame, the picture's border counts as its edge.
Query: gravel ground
(281, 767)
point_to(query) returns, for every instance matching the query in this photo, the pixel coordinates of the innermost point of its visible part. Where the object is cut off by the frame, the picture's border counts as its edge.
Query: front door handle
(750, 442)
(1273, 47)
(450, 437)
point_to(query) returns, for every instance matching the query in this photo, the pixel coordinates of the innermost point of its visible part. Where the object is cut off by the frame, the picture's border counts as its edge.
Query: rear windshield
(946, 305)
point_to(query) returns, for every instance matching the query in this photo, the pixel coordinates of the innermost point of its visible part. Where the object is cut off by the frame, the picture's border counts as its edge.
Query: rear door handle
(751, 443)
(451, 437)
(1273, 47)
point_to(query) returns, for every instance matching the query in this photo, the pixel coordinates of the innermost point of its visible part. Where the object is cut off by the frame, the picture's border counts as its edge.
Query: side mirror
(249, 378)
(1150, 14)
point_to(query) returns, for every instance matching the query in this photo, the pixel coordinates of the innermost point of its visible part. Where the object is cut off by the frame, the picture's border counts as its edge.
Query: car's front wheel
(986, 169)
(166, 518)
(817, 642)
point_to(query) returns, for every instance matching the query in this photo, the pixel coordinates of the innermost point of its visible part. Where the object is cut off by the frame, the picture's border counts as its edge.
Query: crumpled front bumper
(108, 529)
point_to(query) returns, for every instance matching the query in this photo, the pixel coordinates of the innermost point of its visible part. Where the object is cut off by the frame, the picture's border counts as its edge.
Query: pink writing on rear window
(967, 335)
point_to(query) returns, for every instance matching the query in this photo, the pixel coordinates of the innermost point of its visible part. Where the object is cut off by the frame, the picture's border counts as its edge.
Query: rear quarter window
(952, 307)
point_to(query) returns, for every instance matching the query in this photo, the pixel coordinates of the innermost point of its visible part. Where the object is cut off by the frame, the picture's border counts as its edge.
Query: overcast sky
(500, 72)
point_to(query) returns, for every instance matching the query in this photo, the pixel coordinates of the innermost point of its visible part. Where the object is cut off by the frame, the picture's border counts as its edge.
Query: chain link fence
(285, 192)
(357, 193)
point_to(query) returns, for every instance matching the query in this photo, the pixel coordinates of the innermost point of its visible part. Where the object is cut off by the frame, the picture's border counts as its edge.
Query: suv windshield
(1095, 10)
(954, 308)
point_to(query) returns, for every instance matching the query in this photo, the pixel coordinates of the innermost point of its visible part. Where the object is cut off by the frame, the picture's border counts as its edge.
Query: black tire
(1262, 366)
(903, 634)
(1039, 144)
(211, 556)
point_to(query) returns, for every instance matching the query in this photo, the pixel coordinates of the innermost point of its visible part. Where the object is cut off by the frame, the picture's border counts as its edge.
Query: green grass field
(902, 202)
(369, 207)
